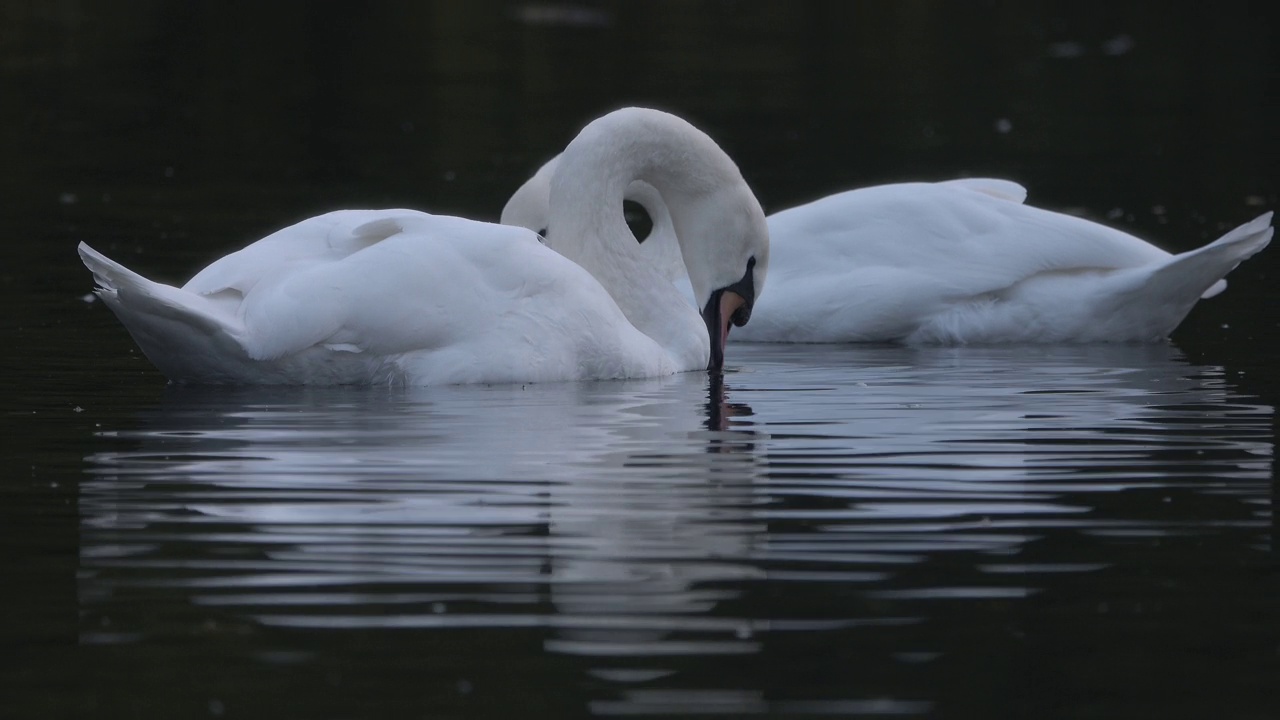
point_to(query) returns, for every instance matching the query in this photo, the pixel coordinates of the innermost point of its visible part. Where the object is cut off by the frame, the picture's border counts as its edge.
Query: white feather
(399, 296)
(962, 261)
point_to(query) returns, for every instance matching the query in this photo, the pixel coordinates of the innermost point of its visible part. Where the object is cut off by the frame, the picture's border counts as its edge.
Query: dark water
(1082, 532)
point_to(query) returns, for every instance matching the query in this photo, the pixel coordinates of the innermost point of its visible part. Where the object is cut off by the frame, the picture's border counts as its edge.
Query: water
(828, 531)
(1077, 532)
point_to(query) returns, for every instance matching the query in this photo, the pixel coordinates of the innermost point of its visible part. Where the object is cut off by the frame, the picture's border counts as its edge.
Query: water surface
(827, 531)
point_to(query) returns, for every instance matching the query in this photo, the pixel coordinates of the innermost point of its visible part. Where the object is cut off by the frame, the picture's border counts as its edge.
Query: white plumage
(963, 261)
(398, 296)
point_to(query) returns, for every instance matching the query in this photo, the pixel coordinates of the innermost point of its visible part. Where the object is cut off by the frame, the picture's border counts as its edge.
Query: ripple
(864, 496)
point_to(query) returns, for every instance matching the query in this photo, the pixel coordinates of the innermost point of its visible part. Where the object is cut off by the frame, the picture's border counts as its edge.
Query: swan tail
(1159, 297)
(1201, 271)
(180, 332)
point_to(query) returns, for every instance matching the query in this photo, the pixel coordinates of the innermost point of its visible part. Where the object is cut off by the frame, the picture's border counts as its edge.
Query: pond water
(829, 530)
(847, 531)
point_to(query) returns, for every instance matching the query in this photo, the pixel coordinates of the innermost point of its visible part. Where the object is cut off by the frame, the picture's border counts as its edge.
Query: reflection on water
(817, 523)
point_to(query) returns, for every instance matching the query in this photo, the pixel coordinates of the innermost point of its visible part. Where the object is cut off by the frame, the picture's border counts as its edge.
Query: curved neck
(717, 222)
(688, 170)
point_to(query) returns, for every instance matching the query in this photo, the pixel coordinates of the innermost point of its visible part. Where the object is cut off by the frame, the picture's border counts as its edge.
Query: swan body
(405, 297)
(962, 261)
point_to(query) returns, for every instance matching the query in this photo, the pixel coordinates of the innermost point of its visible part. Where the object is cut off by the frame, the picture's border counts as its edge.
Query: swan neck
(687, 170)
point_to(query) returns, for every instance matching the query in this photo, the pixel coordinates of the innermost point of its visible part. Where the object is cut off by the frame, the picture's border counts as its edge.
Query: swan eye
(637, 218)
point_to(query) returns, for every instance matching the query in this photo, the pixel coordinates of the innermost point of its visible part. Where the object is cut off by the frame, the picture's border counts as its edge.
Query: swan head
(727, 268)
(530, 206)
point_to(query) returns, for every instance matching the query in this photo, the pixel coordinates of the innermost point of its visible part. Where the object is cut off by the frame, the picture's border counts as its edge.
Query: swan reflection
(635, 523)
(489, 495)
(647, 552)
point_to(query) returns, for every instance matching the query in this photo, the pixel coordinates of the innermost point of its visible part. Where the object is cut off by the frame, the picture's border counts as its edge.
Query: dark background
(196, 127)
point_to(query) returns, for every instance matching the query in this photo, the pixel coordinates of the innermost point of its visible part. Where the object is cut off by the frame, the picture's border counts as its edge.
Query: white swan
(963, 261)
(397, 296)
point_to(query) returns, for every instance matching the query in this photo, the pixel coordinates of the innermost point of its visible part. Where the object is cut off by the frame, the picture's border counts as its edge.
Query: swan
(953, 262)
(405, 297)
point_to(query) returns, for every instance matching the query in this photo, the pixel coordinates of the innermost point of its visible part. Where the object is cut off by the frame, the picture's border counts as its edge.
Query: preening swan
(963, 261)
(398, 296)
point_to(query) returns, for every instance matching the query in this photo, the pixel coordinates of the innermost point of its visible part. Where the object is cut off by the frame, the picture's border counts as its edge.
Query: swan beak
(723, 309)
(730, 304)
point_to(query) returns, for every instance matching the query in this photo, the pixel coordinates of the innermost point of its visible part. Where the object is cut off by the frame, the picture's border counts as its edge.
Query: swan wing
(880, 263)
(323, 238)
(956, 239)
(383, 296)
(454, 301)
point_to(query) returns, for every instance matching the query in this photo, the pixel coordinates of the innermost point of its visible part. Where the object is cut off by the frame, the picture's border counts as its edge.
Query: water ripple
(817, 492)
